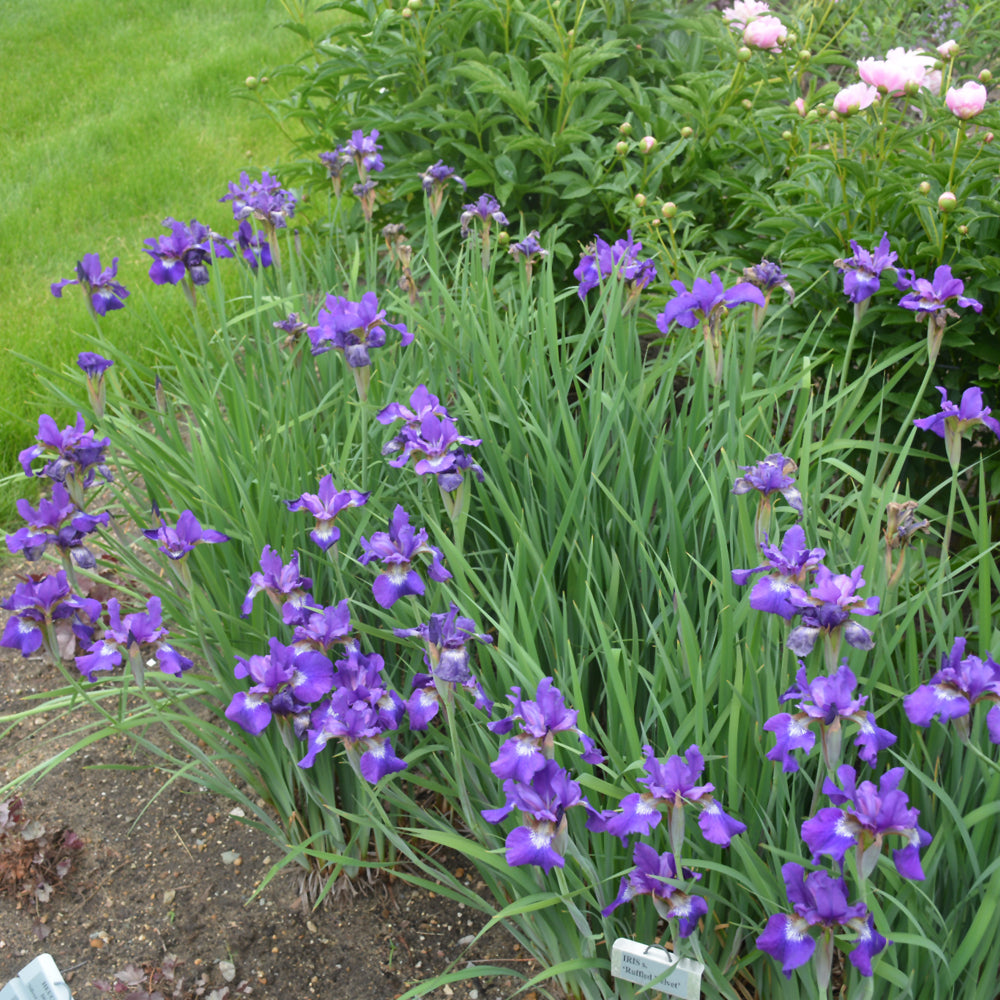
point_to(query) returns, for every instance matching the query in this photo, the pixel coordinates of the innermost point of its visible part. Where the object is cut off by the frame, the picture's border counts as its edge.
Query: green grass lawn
(113, 116)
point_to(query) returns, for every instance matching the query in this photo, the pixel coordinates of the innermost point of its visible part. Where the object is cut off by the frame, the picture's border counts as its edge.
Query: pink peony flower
(947, 49)
(900, 68)
(856, 97)
(765, 33)
(800, 105)
(743, 12)
(966, 101)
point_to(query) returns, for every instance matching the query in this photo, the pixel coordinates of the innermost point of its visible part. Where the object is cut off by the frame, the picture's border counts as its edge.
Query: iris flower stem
(949, 519)
(850, 347)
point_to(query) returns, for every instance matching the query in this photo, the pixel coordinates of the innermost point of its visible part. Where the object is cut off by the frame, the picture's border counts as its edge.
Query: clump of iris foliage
(618, 582)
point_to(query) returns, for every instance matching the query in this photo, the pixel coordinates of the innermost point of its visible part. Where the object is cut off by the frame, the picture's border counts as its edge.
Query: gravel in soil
(169, 869)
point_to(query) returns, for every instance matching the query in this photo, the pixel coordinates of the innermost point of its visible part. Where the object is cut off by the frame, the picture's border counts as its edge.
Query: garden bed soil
(168, 869)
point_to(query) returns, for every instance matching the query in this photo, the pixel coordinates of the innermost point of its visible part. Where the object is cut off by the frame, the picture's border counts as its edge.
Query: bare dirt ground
(173, 872)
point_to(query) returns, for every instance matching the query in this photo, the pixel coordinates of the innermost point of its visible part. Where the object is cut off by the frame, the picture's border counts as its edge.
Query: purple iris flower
(103, 292)
(771, 475)
(37, 603)
(253, 245)
(264, 200)
(656, 875)
(434, 180)
(353, 327)
(826, 701)
(487, 209)
(784, 572)
(283, 583)
(529, 250)
(819, 901)
(620, 258)
(72, 453)
(862, 272)
(951, 421)
(321, 628)
(862, 816)
(446, 637)
(135, 630)
(361, 712)
(955, 690)
(706, 301)
(294, 327)
(93, 365)
(56, 522)
(440, 450)
(423, 403)
(336, 161)
(827, 610)
(934, 296)
(188, 250)
(364, 150)
(325, 506)
(178, 541)
(438, 175)
(396, 550)
(670, 785)
(285, 682)
(525, 754)
(543, 802)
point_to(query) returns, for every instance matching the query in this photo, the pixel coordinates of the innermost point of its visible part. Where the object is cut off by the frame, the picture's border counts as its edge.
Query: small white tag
(640, 963)
(38, 980)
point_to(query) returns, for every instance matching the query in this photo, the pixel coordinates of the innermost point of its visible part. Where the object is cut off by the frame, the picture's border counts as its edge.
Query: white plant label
(640, 963)
(38, 980)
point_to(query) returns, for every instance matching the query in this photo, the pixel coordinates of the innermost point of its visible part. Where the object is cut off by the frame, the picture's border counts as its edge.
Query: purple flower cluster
(533, 781)
(40, 604)
(285, 683)
(186, 253)
(429, 435)
(361, 712)
(71, 455)
(621, 260)
(365, 153)
(132, 633)
(56, 522)
(265, 200)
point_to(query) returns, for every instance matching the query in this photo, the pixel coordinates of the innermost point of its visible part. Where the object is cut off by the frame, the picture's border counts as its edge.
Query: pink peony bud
(800, 105)
(765, 33)
(856, 97)
(947, 49)
(647, 144)
(966, 101)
